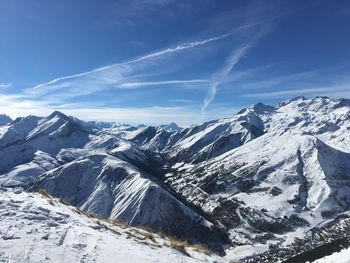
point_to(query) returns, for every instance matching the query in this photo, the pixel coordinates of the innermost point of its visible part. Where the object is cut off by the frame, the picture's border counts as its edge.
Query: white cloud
(5, 85)
(183, 101)
(219, 76)
(152, 115)
(113, 75)
(273, 82)
(131, 74)
(131, 85)
(15, 107)
(341, 90)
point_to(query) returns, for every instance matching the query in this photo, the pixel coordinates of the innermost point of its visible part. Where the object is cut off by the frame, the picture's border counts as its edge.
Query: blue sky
(156, 61)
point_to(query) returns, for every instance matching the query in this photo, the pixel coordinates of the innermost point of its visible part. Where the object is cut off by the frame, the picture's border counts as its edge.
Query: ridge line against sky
(239, 52)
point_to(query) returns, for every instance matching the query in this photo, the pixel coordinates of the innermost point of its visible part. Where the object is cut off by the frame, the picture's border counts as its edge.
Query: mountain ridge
(264, 177)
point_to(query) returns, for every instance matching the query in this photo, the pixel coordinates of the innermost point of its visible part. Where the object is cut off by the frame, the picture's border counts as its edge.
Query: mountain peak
(284, 103)
(171, 127)
(5, 119)
(258, 108)
(261, 107)
(58, 114)
(342, 103)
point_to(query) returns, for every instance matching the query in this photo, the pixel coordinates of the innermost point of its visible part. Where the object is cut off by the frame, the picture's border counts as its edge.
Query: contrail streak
(166, 82)
(219, 76)
(155, 54)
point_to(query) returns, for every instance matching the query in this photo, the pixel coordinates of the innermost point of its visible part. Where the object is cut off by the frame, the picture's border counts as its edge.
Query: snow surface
(39, 229)
(342, 256)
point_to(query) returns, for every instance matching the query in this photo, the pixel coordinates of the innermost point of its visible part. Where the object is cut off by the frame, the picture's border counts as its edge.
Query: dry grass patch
(64, 202)
(144, 234)
(181, 246)
(200, 248)
(45, 193)
(150, 236)
(118, 222)
(92, 215)
(87, 214)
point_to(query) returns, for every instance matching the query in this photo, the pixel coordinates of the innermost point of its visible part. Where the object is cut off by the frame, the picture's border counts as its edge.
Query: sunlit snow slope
(37, 229)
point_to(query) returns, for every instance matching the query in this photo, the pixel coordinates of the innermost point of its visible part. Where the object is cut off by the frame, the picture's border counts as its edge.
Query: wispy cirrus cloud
(219, 76)
(335, 90)
(131, 85)
(233, 59)
(330, 81)
(116, 74)
(337, 73)
(5, 85)
(148, 70)
(122, 75)
(278, 80)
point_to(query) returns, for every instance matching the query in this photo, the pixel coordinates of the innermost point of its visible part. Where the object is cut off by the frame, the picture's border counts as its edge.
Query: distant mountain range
(265, 185)
(171, 127)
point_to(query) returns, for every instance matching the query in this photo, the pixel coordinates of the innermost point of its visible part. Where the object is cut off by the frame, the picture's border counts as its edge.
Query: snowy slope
(322, 116)
(112, 188)
(40, 229)
(20, 141)
(277, 186)
(270, 187)
(210, 139)
(97, 171)
(337, 257)
(152, 138)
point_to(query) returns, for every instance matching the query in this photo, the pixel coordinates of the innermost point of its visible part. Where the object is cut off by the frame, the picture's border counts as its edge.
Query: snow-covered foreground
(35, 228)
(338, 257)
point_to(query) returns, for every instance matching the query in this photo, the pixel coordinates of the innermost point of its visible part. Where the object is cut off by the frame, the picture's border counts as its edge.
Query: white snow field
(36, 228)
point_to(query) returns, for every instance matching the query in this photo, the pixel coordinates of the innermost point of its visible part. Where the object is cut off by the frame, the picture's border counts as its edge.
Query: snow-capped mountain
(99, 172)
(265, 178)
(111, 125)
(4, 119)
(111, 188)
(171, 127)
(268, 174)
